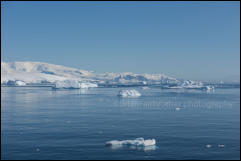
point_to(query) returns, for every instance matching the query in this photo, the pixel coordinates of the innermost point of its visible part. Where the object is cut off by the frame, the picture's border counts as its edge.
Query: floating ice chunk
(73, 84)
(208, 146)
(20, 83)
(88, 85)
(221, 145)
(140, 142)
(129, 93)
(209, 88)
(178, 108)
(145, 87)
(144, 82)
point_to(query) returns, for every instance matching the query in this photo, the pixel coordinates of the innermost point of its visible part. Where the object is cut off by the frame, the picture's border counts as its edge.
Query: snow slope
(37, 72)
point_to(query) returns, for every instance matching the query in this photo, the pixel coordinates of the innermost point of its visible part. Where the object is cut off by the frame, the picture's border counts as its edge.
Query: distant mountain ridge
(39, 72)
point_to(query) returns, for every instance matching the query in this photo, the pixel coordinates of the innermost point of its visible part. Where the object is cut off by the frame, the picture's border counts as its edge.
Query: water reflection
(133, 147)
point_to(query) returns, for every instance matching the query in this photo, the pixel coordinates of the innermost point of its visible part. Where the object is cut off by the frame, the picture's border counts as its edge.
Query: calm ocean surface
(41, 123)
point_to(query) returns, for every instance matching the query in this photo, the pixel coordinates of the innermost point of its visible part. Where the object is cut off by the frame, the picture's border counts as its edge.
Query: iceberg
(67, 84)
(209, 88)
(129, 93)
(88, 85)
(190, 84)
(139, 142)
(16, 83)
(221, 145)
(145, 87)
(208, 146)
(73, 84)
(20, 83)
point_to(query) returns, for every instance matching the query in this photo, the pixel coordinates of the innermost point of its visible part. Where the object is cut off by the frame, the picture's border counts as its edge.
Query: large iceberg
(73, 84)
(129, 93)
(190, 84)
(136, 142)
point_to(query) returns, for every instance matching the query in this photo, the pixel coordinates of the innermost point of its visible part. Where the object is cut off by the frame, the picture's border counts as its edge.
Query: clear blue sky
(191, 40)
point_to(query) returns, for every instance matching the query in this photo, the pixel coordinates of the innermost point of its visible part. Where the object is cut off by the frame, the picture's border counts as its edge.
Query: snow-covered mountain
(35, 73)
(38, 72)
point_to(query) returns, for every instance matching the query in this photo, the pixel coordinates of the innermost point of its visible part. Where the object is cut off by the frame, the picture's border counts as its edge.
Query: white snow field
(135, 142)
(129, 93)
(31, 73)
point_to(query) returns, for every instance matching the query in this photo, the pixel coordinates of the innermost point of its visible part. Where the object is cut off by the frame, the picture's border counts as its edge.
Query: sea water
(42, 123)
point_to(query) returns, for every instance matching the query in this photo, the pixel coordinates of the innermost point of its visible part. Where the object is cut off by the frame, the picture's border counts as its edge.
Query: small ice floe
(208, 146)
(144, 82)
(129, 93)
(221, 145)
(178, 109)
(145, 87)
(138, 142)
(210, 87)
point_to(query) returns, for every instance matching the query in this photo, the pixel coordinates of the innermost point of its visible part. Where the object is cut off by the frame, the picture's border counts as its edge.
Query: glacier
(40, 73)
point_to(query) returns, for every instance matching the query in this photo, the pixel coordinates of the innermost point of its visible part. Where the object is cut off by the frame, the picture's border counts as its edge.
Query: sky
(189, 40)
